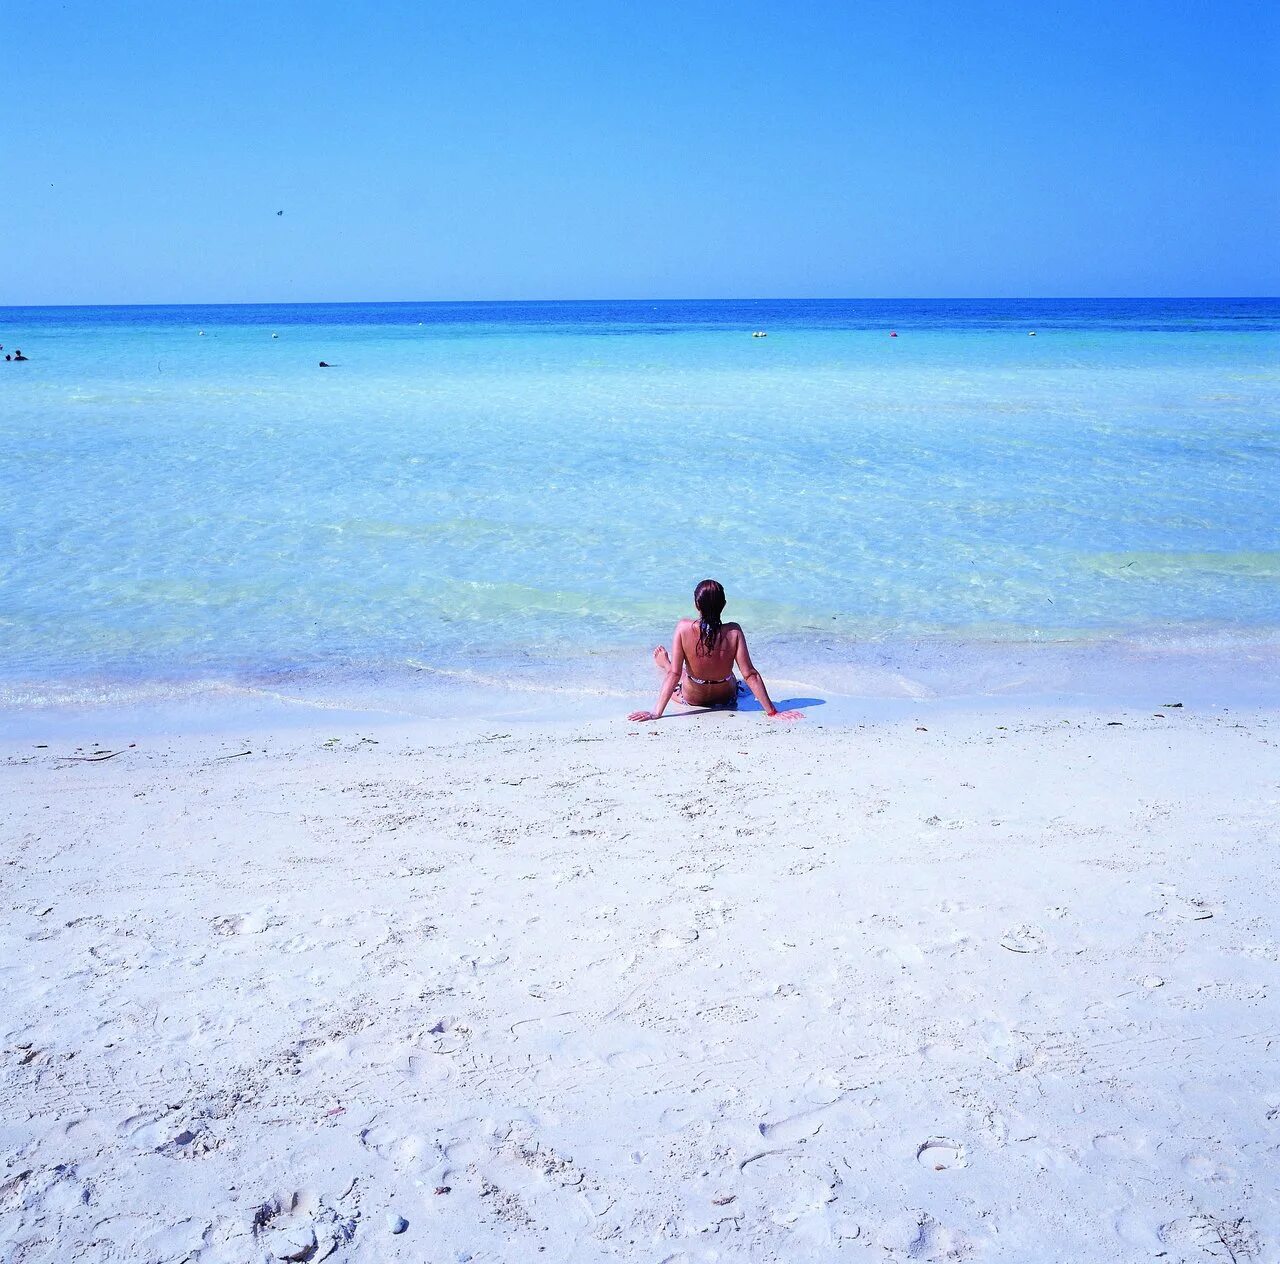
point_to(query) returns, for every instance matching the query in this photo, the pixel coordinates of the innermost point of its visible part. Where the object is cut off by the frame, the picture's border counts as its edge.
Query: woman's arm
(669, 682)
(755, 682)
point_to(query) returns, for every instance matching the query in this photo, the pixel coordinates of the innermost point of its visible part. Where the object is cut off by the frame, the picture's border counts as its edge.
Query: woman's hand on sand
(787, 717)
(642, 715)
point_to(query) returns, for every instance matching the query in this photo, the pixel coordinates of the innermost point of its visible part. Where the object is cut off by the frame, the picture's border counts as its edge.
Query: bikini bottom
(729, 704)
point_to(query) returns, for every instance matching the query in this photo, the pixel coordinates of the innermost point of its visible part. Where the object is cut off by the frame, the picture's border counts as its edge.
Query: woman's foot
(661, 659)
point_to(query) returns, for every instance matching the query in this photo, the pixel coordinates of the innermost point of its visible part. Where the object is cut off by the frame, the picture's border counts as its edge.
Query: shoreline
(839, 683)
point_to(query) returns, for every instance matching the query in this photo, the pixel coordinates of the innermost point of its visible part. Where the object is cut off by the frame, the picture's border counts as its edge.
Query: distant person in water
(17, 354)
(699, 669)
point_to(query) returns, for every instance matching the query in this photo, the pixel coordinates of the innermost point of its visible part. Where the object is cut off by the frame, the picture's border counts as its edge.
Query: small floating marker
(202, 333)
(275, 335)
(893, 333)
(1031, 333)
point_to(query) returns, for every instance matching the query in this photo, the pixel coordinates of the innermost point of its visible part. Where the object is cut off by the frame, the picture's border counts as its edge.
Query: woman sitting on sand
(699, 669)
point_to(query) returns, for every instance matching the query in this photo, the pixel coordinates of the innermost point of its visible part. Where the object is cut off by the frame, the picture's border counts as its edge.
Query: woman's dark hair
(709, 598)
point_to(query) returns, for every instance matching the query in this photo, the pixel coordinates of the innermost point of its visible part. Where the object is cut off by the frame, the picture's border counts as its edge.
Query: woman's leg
(662, 661)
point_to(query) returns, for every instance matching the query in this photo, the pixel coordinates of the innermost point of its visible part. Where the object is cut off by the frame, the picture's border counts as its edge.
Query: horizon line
(801, 298)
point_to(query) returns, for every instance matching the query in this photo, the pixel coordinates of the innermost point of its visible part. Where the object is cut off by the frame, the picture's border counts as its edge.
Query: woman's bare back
(718, 664)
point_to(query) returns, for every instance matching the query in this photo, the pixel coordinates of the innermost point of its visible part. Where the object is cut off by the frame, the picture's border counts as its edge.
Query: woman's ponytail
(709, 598)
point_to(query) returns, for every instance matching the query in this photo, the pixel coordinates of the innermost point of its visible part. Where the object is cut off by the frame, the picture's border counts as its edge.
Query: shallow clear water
(527, 487)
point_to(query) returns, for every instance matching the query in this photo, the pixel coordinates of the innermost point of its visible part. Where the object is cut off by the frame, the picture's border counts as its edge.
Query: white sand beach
(987, 984)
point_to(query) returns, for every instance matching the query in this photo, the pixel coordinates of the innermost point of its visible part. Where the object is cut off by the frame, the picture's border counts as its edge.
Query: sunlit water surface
(529, 492)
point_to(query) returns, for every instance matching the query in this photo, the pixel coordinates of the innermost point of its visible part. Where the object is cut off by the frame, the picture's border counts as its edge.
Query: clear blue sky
(622, 149)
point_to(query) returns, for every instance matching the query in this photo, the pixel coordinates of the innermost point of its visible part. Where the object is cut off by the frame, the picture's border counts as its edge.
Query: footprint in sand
(793, 1129)
(427, 1066)
(388, 1143)
(1175, 907)
(1024, 938)
(228, 924)
(729, 1012)
(1233, 991)
(823, 1089)
(467, 1152)
(110, 955)
(673, 938)
(189, 1143)
(806, 1195)
(182, 1240)
(149, 1132)
(1207, 1169)
(918, 1236)
(939, 1154)
(13, 1190)
(823, 1092)
(951, 946)
(301, 1226)
(1214, 1236)
(1115, 1145)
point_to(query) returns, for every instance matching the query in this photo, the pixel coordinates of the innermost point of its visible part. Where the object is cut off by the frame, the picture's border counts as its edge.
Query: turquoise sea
(528, 492)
